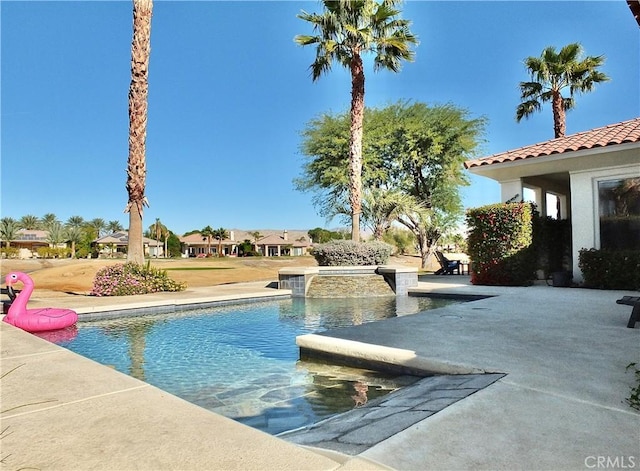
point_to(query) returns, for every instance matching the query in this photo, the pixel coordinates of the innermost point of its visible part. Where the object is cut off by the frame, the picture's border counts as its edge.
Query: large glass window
(619, 207)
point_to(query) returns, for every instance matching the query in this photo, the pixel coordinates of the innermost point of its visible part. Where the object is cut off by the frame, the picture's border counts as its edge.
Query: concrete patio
(560, 404)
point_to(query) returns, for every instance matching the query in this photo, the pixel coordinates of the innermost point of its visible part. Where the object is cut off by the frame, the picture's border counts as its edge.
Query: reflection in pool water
(241, 360)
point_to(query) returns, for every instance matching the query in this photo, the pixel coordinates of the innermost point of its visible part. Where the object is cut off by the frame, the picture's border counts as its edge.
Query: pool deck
(560, 404)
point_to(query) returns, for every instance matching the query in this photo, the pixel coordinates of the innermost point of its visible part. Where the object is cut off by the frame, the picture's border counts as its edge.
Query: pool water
(241, 360)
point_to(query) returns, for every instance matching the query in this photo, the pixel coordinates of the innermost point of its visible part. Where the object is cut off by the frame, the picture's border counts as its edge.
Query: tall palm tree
(550, 74)
(220, 235)
(345, 31)
(74, 232)
(256, 236)
(207, 234)
(158, 231)
(138, 93)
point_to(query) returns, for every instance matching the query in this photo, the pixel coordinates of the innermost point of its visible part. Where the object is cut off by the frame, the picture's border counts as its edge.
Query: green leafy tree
(220, 234)
(345, 31)
(138, 104)
(410, 149)
(403, 239)
(75, 221)
(207, 234)
(322, 236)
(8, 230)
(553, 72)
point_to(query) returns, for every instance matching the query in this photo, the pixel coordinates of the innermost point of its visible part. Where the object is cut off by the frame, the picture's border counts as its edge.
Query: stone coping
(347, 270)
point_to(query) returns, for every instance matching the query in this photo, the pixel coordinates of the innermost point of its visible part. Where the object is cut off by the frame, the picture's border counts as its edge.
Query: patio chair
(633, 301)
(447, 266)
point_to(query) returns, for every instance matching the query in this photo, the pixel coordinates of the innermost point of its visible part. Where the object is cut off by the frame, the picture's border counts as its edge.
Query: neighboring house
(115, 245)
(270, 244)
(591, 178)
(27, 241)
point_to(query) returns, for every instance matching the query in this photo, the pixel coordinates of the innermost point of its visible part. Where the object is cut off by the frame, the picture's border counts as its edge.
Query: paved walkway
(560, 404)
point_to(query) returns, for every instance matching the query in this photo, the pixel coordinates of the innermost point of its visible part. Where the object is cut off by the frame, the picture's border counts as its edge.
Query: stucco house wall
(569, 168)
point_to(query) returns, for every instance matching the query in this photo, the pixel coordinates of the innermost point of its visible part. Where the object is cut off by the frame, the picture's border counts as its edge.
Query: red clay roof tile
(613, 134)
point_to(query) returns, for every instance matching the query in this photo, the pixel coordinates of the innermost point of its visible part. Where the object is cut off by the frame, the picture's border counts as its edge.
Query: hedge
(347, 252)
(610, 269)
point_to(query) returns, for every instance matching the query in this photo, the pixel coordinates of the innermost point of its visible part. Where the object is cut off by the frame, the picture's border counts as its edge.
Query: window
(619, 210)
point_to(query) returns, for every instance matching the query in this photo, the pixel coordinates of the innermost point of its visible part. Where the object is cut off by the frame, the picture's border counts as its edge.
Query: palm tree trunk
(138, 92)
(355, 144)
(559, 120)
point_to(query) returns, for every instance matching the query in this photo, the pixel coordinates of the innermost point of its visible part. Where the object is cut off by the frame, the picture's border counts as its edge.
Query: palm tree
(346, 30)
(550, 74)
(207, 234)
(381, 207)
(114, 226)
(48, 220)
(29, 222)
(97, 225)
(219, 235)
(138, 93)
(74, 232)
(74, 235)
(256, 236)
(158, 231)
(8, 230)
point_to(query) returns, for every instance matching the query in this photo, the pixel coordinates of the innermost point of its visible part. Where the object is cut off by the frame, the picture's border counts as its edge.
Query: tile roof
(613, 134)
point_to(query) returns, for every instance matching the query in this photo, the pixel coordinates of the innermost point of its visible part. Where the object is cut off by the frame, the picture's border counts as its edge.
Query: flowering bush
(347, 252)
(500, 244)
(130, 278)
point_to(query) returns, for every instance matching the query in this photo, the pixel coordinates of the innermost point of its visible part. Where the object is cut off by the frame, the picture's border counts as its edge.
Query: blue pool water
(241, 360)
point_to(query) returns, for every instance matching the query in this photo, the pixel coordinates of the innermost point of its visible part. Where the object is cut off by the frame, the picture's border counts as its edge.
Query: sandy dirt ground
(76, 276)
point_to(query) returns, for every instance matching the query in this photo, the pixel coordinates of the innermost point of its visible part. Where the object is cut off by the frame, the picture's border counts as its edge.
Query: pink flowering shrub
(130, 278)
(500, 244)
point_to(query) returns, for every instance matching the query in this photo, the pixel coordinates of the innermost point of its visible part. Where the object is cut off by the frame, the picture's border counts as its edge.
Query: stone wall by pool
(348, 281)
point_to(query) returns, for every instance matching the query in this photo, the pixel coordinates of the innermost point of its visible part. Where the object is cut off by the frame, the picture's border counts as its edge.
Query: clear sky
(230, 91)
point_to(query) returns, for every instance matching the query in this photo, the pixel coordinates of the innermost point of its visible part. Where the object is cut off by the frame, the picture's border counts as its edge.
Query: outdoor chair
(633, 301)
(447, 266)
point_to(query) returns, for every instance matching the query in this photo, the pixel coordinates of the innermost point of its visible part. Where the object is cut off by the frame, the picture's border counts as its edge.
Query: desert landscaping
(76, 275)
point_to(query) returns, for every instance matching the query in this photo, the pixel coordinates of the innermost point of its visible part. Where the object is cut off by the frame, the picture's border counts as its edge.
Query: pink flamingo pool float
(34, 320)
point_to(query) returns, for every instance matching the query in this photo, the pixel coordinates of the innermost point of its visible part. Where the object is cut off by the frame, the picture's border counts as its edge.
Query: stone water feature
(348, 281)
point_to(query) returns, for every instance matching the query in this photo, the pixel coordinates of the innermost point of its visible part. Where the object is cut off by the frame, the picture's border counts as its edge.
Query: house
(591, 178)
(115, 245)
(27, 241)
(270, 243)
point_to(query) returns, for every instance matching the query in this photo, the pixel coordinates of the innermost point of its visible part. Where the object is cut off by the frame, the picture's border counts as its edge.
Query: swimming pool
(241, 360)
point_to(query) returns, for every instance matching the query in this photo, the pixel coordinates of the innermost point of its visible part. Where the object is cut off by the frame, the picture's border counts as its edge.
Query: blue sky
(229, 93)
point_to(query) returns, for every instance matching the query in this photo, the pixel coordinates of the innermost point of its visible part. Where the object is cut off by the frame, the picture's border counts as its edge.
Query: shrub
(500, 244)
(348, 252)
(9, 252)
(131, 278)
(53, 252)
(610, 269)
